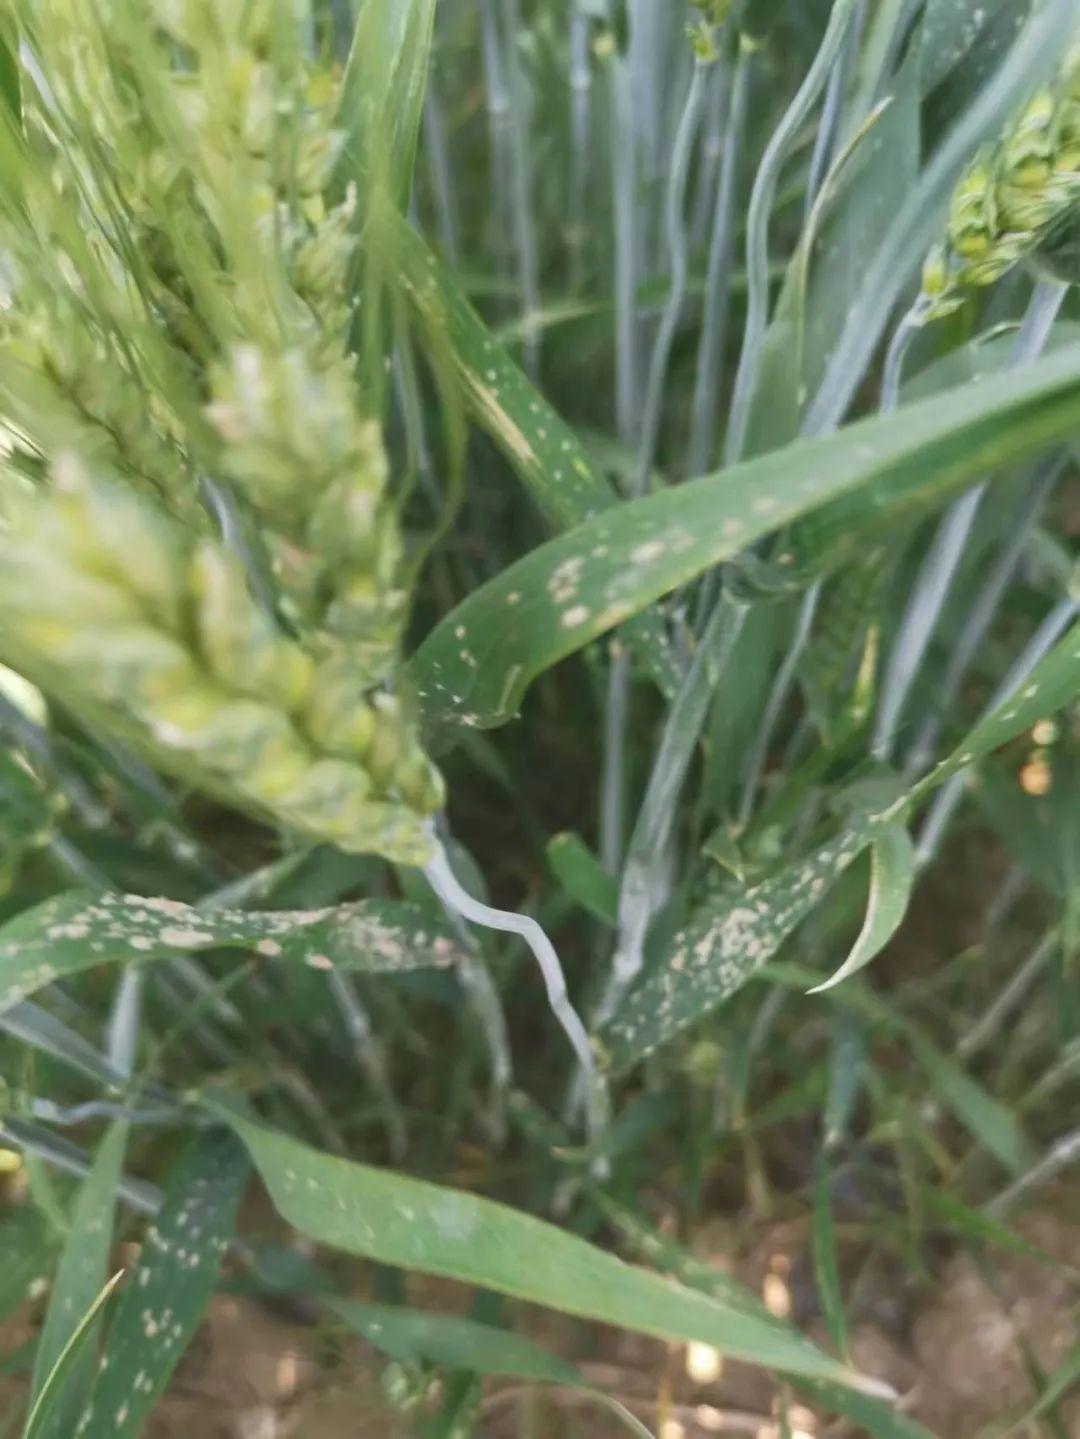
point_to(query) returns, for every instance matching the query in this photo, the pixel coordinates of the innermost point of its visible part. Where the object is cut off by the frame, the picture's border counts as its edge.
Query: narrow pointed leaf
(826, 1264)
(170, 1287)
(892, 874)
(80, 1277)
(583, 877)
(45, 1407)
(415, 1225)
(454, 1343)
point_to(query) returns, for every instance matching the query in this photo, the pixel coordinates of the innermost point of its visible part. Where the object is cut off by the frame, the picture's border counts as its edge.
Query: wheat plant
(592, 480)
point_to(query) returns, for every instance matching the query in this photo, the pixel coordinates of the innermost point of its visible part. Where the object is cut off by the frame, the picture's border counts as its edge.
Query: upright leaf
(80, 1277)
(383, 91)
(51, 1398)
(171, 1285)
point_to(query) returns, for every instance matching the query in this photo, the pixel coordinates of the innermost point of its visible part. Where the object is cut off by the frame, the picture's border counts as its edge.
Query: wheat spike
(1012, 199)
(178, 315)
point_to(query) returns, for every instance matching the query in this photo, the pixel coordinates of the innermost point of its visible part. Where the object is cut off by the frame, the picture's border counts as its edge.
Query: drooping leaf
(477, 663)
(80, 1277)
(75, 932)
(892, 875)
(406, 1222)
(171, 1285)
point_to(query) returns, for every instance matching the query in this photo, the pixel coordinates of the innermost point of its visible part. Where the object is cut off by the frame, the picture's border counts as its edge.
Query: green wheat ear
(179, 327)
(132, 621)
(1015, 201)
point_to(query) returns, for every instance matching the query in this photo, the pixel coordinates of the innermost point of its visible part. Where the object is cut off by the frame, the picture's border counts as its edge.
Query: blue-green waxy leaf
(171, 1285)
(80, 1277)
(75, 932)
(477, 663)
(406, 1222)
(892, 874)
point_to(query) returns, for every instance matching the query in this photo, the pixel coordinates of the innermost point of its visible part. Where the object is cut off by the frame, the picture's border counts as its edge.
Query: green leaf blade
(476, 664)
(173, 1281)
(73, 932)
(412, 1224)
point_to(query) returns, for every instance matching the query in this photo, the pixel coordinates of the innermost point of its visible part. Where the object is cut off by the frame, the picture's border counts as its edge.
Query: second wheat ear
(1018, 200)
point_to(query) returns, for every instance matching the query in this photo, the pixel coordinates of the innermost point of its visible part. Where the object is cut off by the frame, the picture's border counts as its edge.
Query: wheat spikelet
(1013, 198)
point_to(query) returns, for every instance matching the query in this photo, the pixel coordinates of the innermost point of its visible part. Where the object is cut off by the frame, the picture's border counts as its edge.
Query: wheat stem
(762, 197)
(983, 610)
(950, 543)
(710, 355)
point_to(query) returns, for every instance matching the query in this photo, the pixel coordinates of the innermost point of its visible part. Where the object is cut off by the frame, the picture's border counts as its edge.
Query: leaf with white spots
(398, 1220)
(477, 663)
(737, 931)
(541, 448)
(74, 932)
(80, 1276)
(726, 941)
(892, 874)
(169, 1287)
(539, 444)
